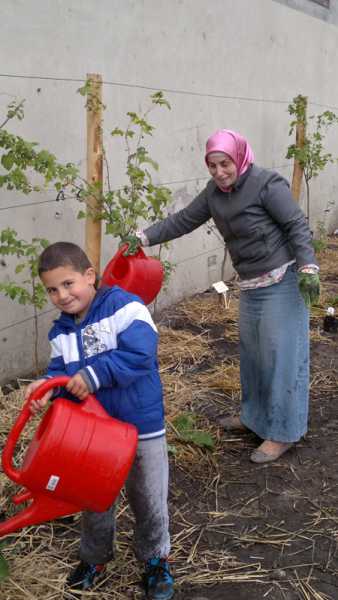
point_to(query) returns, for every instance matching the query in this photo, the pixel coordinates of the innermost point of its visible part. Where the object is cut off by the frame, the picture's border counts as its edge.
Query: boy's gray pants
(147, 494)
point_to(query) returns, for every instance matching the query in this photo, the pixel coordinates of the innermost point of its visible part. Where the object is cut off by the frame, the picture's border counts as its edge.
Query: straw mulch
(236, 529)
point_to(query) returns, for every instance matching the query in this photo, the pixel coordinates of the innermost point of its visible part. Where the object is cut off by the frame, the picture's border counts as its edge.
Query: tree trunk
(94, 169)
(298, 170)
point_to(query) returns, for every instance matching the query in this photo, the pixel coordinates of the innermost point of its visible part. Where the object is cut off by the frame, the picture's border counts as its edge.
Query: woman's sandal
(261, 456)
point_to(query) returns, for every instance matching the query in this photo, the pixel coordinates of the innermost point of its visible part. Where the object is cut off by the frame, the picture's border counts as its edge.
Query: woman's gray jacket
(261, 224)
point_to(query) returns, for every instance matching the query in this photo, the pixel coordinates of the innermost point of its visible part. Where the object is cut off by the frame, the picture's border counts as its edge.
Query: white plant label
(52, 483)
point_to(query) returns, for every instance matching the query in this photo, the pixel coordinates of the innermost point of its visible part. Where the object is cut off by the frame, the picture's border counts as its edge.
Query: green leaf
(4, 570)
(185, 425)
(110, 228)
(19, 268)
(7, 161)
(201, 438)
(158, 98)
(185, 422)
(85, 89)
(15, 109)
(117, 131)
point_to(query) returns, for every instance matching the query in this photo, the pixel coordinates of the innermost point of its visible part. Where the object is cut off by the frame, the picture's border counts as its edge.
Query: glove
(309, 287)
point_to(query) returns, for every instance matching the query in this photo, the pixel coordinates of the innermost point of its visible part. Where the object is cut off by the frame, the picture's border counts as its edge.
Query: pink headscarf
(234, 145)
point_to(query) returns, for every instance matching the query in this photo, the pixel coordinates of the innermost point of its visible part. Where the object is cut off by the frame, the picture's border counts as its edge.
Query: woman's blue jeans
(274, 359)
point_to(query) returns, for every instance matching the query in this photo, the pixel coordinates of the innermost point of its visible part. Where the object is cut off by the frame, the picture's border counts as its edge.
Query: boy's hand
(78, 387)
(39, 404)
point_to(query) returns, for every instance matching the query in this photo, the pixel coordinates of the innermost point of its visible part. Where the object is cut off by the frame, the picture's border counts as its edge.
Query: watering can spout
(41, 509)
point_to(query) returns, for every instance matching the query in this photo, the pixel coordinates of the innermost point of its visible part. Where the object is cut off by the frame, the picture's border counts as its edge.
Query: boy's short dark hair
(62, 254)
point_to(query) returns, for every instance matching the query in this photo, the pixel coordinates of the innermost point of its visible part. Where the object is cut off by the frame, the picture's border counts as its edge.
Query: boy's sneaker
(157, 580)
(85, 576)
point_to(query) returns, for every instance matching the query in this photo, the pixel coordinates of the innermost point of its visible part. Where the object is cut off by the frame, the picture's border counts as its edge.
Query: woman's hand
(37, 405)
(78, 387)
(142, 237)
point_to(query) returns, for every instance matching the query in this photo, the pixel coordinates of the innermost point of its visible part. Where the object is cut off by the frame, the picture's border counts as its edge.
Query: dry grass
(224, 377)
(178, 348)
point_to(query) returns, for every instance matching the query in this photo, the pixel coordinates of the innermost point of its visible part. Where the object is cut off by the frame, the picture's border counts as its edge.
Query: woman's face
(222, 169)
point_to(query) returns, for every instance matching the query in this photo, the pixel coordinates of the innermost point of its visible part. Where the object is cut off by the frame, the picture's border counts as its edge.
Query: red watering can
(78, 459)
(137, 273)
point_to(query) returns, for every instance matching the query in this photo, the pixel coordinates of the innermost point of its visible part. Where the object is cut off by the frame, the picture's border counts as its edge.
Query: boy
(106, 341)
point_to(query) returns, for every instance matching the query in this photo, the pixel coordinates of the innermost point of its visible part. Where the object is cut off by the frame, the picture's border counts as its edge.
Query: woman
(270, 245)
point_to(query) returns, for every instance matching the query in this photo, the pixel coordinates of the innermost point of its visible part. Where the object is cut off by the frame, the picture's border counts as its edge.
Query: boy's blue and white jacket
(115, 348)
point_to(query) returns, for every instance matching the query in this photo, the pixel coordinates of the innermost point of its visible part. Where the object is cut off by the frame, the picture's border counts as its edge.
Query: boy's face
(70, 291)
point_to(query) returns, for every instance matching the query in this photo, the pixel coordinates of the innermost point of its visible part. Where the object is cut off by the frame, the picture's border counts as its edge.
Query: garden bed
(239, 530)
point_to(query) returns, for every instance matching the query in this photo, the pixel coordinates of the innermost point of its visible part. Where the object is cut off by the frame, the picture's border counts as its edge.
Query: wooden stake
(298, 170)
(94, 168)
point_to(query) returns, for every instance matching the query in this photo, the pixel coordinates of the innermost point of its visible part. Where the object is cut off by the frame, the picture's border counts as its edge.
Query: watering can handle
(26, 413)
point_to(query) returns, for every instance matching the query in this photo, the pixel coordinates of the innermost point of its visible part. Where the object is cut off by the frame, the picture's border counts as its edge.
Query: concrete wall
(226, 63)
